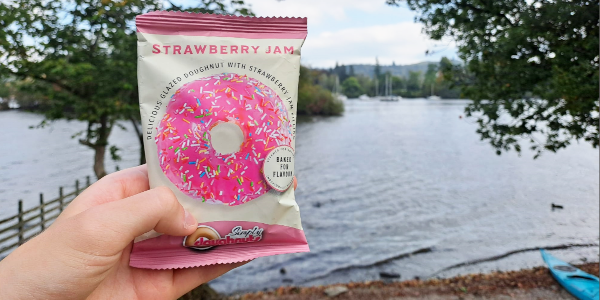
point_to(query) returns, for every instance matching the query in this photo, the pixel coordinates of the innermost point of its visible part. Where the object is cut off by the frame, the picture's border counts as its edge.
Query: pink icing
(184, 141)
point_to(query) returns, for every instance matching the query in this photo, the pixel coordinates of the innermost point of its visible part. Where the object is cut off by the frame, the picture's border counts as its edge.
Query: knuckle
(118, 183)
(165, 197)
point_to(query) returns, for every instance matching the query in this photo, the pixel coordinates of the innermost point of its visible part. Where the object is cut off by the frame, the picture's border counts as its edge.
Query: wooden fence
(27, 223)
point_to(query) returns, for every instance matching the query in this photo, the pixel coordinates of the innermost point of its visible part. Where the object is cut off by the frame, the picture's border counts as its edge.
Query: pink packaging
(218, 101)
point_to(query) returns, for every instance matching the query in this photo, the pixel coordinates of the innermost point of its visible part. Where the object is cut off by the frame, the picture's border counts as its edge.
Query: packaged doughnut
(218, 105)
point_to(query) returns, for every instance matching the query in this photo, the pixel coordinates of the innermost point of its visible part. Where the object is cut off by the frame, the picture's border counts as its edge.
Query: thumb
(112, 226)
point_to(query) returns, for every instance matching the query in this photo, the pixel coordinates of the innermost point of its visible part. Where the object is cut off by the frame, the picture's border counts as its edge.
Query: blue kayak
(581, 284)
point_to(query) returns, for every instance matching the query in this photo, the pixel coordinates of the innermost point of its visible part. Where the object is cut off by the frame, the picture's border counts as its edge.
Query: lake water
(377, 184)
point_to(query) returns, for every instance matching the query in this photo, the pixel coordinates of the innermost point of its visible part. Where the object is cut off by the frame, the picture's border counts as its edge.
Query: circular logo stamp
(278, 168)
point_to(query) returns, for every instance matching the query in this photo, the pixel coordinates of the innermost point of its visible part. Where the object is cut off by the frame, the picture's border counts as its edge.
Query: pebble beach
(535, 283)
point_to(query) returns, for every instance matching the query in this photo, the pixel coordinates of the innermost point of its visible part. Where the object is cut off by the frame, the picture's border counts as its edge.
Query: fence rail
(18, 229)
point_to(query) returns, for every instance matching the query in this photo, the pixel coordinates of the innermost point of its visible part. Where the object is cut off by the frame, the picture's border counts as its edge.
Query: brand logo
(206, 237)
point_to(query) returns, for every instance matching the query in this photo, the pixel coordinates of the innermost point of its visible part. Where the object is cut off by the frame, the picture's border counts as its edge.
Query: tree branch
(174, 6)
(48, 80)
(135, 127)
(87, 143)
(479, 10)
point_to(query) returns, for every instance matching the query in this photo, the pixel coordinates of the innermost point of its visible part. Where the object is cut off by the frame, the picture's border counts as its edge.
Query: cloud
(402, 43)
(355, 31)
(317, 11)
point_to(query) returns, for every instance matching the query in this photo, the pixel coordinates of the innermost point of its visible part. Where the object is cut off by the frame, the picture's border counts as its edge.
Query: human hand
(85, 253)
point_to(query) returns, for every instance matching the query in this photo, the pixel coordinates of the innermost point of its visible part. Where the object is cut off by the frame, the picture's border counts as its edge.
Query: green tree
(444, 87)
(314, 99)
(531, 67)
(377, 71)
(341, 72)
(367, 84)
(80, 57)
(398, 85)
(352, 88)
(413, 84)
(429, 80)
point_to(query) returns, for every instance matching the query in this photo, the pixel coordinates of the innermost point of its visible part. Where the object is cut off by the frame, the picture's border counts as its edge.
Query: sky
(357, 31)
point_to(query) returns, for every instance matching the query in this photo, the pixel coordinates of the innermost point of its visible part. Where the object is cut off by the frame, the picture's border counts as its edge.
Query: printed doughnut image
(215, 135)
(201, 234)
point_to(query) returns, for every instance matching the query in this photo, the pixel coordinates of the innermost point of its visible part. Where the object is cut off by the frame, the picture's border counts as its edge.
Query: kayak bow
(580, 284)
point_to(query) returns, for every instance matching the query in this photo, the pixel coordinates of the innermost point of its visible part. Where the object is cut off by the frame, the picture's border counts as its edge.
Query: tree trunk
(140, 136)
(100, 134)
(142, 152)
(100, 151)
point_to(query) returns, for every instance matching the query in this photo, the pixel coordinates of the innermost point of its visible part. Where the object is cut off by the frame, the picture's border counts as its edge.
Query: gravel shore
(528, 284)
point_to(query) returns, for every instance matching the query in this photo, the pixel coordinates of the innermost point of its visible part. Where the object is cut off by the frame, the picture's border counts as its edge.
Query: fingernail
(190, 221)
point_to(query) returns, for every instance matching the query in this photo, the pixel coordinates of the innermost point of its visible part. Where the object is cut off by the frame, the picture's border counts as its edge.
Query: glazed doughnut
(202, 232)
(215, 135)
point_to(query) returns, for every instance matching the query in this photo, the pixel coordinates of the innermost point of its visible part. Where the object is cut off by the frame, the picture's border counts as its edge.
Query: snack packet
(218, 105)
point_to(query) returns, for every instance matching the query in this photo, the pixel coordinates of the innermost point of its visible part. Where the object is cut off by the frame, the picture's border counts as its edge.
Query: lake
(400, 187)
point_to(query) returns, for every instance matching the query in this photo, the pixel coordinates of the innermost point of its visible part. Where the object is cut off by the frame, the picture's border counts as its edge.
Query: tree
(80, 56)
(366, 83)
(443, 87)
(413, 83)
(314, 99)
(398, 85)
(377, 70)
(352, 88)
(429, 80)
(531, 67)
(341, 72)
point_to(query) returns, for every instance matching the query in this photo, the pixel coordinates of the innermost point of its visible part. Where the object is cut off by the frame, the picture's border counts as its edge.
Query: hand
(85, 253)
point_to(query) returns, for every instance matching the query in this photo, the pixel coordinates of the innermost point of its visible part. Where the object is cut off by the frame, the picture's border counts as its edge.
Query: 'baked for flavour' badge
(279, 168)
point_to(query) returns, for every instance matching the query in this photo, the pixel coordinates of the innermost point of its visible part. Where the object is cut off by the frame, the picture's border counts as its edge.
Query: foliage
(80, 57)
(429, 79)
(531, 67)
(341, 71)
(377, 72)
(445, 86)
(367, 84)
(314, 99)
(352, 88)
(414, 83)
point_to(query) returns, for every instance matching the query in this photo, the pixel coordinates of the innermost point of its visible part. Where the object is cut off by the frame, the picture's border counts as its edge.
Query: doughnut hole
(226, 138)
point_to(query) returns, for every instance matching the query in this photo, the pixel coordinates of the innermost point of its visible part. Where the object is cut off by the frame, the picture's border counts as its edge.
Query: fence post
(42, 217)
(20, 222)
(87, 181)
(60, 198)
(77, 187)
